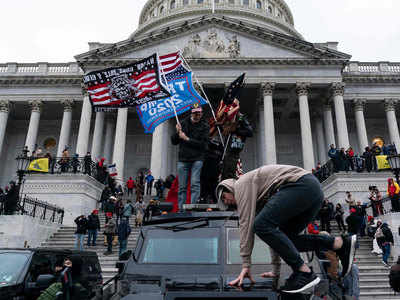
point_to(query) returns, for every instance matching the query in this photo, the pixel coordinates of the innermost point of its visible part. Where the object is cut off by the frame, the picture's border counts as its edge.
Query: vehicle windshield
(11, 265)
(261, 253)
(196, 246)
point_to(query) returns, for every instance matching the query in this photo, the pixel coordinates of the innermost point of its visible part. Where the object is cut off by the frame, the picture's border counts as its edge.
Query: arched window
(246, 2)
(270, 10)
(172, 5)
(258, 4)
(185, 2)
(161, 10)
(231, 1)
(200, 1)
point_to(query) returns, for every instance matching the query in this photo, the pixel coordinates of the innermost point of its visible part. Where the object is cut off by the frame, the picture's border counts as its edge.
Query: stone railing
(378, 68)
(17, 69)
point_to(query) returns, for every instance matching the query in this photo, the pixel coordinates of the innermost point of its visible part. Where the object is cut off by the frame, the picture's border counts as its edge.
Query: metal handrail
(35, 208)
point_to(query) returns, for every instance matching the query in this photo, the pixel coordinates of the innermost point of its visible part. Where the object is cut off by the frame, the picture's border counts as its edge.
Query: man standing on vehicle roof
(192, 137)
(276, 202)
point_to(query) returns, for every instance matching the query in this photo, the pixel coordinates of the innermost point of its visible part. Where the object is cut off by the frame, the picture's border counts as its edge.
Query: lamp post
(22, 164)
(394, 162)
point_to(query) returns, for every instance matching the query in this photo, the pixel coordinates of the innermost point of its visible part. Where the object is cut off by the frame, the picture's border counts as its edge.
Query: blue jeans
(79, 241)
(386, 252)
(286, 214)
(184, 169)
(122, 246)
(92, 236)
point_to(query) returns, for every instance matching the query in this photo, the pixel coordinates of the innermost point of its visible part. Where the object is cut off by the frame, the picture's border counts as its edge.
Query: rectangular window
(261, 253)
(194, 246)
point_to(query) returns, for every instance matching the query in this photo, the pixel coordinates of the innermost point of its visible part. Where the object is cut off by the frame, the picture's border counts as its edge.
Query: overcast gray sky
(55, 31)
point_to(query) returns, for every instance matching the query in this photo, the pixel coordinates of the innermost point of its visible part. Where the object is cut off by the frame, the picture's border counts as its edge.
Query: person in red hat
(93, 226)
(353, 222)
(192, 137)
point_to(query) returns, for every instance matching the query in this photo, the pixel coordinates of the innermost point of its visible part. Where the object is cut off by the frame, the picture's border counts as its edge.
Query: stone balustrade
(384, 68)
(23, 69)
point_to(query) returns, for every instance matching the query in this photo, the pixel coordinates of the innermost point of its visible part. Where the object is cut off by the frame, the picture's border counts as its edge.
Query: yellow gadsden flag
(39, 165)
(382, 162)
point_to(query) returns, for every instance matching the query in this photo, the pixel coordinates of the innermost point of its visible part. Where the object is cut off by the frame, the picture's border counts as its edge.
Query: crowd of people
(342, 159)
(357, 222)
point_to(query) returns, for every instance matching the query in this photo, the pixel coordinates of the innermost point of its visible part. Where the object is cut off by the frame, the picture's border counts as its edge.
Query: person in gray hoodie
(276, 202)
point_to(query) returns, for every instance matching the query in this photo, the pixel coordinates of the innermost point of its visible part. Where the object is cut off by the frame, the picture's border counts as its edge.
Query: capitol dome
(271, 14)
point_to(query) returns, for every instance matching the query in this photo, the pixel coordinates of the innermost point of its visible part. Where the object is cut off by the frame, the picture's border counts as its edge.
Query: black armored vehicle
(195, 255)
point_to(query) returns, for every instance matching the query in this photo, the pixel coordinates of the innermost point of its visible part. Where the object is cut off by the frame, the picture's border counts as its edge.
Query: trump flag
(126, 86)
(183, 94)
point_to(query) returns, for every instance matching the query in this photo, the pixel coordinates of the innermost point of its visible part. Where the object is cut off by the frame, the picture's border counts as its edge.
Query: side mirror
(44, 281)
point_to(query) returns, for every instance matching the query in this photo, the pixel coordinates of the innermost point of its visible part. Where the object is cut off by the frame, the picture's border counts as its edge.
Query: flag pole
(172, 101)
(205, 95)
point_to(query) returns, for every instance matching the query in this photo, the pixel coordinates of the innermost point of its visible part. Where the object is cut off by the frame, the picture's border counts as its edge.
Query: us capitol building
(300, 96)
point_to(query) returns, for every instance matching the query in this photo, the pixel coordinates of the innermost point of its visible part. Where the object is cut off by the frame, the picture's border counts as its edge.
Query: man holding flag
(192, 137)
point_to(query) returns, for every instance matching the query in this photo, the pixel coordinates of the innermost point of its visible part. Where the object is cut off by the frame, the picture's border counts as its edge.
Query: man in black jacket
(81, 228)
(93, 225)
(192, 138)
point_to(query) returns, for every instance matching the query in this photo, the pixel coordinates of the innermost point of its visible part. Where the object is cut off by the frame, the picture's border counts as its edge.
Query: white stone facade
(77, 194)
(18, 231)
(299, 96)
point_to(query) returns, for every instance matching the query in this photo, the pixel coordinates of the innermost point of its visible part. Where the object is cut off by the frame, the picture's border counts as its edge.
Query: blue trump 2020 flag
(183, 94)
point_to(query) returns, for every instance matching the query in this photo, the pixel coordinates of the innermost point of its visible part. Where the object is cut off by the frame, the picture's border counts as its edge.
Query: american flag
(170, 62)
(130, 85)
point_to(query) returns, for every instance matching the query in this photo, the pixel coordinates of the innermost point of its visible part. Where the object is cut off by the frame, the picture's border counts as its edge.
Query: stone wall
(15, 230)
(77, 194)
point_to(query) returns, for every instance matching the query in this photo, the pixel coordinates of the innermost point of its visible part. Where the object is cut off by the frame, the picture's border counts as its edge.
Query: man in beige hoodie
(276, 202)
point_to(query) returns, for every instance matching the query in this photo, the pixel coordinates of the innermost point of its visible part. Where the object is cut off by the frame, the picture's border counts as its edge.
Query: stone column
(360, 123)
(84, 127)
(328, 125)
(341, 123)
(261, 137)
(65, 126)
(33, 129)
(120, 142)
(305, 124)
(269, 132)
(159, 152)
(390, 105)
(322, 148)
(4, 110)
(109, 139)
(97, 141)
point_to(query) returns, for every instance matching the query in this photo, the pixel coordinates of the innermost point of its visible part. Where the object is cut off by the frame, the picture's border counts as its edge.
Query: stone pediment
(214, 37)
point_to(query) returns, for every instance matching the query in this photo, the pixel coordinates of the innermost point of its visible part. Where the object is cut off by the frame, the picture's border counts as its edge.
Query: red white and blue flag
(183, 94)
(126, 86)
(112, 170)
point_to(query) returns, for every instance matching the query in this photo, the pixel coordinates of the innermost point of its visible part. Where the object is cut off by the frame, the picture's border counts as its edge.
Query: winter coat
(252, 191)
(124, 230)
(354, 223)
(130, 184)
(195, 148)
(393, 189)
(110, 227)
(81, 224)
(109, 206)
(128, 210)
(238, 137)
(93, 222)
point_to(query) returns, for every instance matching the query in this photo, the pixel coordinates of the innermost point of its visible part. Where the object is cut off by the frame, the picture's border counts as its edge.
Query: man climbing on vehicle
(276, 202)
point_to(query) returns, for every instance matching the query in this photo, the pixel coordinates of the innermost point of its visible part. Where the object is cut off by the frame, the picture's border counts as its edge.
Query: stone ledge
(77, 194)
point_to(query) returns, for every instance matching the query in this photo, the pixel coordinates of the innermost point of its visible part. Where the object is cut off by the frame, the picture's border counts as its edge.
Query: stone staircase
(373, 275)
(64, 238)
